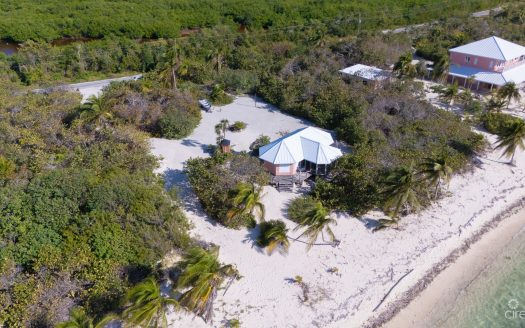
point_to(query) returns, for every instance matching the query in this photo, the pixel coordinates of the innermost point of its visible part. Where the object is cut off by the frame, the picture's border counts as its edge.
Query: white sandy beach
(367, 263)
(431, 307)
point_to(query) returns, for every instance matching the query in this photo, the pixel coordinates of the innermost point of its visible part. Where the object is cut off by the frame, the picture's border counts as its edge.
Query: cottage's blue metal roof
(308, 143)
(516, 74)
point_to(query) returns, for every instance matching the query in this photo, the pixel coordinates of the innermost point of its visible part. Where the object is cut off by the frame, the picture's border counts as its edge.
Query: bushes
(215, 179)
(82, 212)
(261, 140)
(496, 123)
(24, 19)
(354, 186)
(219, 97)
(237, 126)
(300, 207)
(238, 81)
(176, 124)
(166, 113)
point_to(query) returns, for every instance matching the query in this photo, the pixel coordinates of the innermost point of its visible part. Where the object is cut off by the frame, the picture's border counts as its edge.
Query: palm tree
(509, 92)
(436, 171)
(401, 189)
(404, 67)
(495, 104)
(441, 68)
(217, 58)
(147, 306)
(79, 319)
(466, 97)
(450, 93)
(273, 235)
(171, 67)
(203, 274)
(96, 110)
(247, 199)
(512, 139)
(316, 221)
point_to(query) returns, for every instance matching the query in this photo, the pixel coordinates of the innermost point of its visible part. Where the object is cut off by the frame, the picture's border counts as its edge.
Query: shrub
(219, 96)
(239, 81)
(300, 207)
(176, 124)
(261, 140)
(238, 126)
(7, 168)
(496, 123)
(354, 186)
(214, 180)
(83, 215)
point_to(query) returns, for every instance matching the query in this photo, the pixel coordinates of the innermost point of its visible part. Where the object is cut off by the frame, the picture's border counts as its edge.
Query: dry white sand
(367, 263)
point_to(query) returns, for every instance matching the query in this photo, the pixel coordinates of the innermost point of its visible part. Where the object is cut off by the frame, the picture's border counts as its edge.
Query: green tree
(401, 191)
(512, 139)
(247, 200)
(273, 235)
(7, 168)
(509, 91)
(436, 171)
(316, 221)
(450, 94)
(79, 319)
(495, 104)
(441, 68)
(203, 274)
(96, 110)
(171, 66)
(404, 67)
(147, 306)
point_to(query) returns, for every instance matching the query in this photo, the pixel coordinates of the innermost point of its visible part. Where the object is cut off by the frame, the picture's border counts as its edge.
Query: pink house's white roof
(311, 144)
(492, 47)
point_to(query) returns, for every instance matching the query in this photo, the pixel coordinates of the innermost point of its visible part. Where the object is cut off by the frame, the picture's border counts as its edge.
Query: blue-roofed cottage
(307, 149)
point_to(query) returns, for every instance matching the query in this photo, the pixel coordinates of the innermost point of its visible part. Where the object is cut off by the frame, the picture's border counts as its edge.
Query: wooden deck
(287, 182)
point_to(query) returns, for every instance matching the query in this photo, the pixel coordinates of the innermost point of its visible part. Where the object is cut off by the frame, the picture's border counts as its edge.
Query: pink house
(487, 63)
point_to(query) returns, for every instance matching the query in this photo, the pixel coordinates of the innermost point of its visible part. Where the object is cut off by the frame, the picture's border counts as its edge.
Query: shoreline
(423, 304)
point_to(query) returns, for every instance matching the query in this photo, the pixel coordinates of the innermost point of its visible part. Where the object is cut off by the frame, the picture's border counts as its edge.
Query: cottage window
(467, 59)
(476, 61)
(491, 64)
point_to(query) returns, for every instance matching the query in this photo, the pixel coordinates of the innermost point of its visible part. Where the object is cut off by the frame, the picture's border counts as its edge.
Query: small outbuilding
(366, 73)
(304, 150)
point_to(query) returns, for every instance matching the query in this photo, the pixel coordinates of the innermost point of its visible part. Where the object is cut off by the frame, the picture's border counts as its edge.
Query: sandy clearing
(368, 264)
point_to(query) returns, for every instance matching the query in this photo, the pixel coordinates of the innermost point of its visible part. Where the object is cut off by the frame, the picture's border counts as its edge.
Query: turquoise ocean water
(496, 298)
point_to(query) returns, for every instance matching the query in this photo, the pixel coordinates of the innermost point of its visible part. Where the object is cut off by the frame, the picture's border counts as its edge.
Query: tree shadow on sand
(251, 238)
(369, 223)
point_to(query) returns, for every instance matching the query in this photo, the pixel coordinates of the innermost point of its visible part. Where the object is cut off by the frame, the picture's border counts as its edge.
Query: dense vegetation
(52, 19)
(146, 104)
(215, 180)
(82, 215)
(508, 24)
